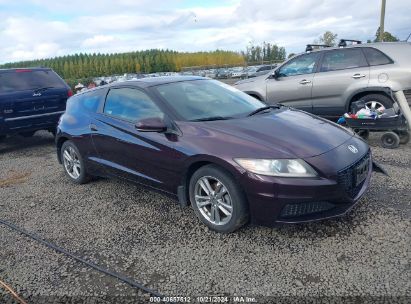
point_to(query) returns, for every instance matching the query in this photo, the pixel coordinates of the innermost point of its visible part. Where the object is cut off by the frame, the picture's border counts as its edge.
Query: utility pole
(382, 20)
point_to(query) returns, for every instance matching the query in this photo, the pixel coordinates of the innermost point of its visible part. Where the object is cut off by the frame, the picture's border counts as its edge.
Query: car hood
(283, 133)
(252, 79)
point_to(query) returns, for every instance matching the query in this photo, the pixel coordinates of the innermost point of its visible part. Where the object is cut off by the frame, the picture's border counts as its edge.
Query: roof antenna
(408, 37)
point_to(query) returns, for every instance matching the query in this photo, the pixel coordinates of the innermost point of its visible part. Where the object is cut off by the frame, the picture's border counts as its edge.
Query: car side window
(376, 57)
(88, 102)
(343, 59)
(130, 104)
(301, 65)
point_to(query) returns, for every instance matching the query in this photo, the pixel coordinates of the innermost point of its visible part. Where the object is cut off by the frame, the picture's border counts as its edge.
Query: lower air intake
(301, 209)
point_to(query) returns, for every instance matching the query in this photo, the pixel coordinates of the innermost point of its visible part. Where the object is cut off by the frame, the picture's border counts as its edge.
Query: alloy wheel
(213, 200)
(374, 105)
(71, 162)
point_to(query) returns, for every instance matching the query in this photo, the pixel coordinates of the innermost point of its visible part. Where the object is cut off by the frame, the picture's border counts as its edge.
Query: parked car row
(233, 72)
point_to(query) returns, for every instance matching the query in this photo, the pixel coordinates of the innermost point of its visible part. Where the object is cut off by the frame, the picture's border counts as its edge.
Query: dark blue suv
(30, 100)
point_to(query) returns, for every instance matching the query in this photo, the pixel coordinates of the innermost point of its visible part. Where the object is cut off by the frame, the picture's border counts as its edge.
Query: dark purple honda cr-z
(230, 156)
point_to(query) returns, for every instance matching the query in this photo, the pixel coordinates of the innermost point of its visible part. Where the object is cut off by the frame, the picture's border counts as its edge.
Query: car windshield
(207, 99)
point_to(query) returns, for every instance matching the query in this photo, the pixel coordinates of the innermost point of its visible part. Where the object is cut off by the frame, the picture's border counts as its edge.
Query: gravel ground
(149, 238)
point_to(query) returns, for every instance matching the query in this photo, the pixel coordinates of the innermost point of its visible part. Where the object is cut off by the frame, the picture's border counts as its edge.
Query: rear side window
(343, 59)
(376, 57)
(130, 104)
(19, 80)
(85, 102)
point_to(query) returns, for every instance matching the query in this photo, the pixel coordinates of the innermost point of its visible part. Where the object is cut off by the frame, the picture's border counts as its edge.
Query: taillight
(69, 93)
(23, 70)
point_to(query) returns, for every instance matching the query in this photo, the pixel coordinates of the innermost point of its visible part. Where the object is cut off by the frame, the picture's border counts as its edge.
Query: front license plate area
(361, 171)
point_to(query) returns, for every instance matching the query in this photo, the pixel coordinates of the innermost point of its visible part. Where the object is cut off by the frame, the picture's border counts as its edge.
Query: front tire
(217, 199)
(73, 163)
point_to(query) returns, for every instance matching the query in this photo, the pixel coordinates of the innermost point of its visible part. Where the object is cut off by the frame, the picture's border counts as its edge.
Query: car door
(145, 157)
(341, 72)
(292, 83)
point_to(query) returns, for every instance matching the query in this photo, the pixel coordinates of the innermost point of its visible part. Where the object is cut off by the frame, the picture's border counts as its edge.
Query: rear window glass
(343, 59)
(376, 57)
(20, 80)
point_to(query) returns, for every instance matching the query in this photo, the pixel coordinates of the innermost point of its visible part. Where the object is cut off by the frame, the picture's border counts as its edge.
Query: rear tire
(374, 101)
(73, 163)
(217, 199)
(390, 140)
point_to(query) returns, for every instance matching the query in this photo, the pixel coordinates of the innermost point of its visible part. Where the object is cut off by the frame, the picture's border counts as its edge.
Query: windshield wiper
(264, 108)
(211, 118)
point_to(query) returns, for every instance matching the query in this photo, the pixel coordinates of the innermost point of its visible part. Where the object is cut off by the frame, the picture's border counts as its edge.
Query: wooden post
(382, 18)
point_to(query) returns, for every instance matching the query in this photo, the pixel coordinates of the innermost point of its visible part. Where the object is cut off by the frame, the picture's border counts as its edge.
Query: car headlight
(277, 167)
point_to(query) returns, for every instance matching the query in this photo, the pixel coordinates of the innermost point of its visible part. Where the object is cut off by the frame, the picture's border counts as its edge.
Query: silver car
(327, 81)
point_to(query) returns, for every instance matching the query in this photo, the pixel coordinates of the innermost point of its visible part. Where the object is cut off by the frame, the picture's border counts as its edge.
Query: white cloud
(97, 40)
(53, 29)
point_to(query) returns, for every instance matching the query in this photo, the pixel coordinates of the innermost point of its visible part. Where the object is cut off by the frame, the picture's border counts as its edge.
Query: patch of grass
(14, 178)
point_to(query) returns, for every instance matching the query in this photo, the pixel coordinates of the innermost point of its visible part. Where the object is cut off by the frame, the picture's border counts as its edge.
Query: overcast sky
(31, 29)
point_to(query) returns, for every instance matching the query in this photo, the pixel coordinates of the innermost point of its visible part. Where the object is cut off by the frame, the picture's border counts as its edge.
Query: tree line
(81, 66)
(331, 39)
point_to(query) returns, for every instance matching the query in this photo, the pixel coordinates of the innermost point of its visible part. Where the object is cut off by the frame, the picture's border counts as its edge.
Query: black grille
(300, 209)
(347, 177)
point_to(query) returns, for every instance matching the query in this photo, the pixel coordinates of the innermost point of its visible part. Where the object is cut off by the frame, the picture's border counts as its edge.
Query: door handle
(305, 81)
(93, 127)
(358, 76)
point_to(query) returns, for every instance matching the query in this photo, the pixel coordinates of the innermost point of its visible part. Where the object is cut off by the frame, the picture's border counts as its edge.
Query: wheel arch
(192, 166)
(59, 143)
(255, 95)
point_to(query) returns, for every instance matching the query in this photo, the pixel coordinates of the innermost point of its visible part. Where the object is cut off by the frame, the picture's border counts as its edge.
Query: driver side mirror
(151, 124)
(276, 74)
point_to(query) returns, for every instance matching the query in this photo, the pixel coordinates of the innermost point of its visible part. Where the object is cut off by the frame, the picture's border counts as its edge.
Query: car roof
(154, 81)
(146, 82)
(373, 44)
(32, 69)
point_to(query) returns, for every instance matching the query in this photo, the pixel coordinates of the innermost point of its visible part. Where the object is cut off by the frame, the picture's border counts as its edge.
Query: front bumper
(274, 200)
